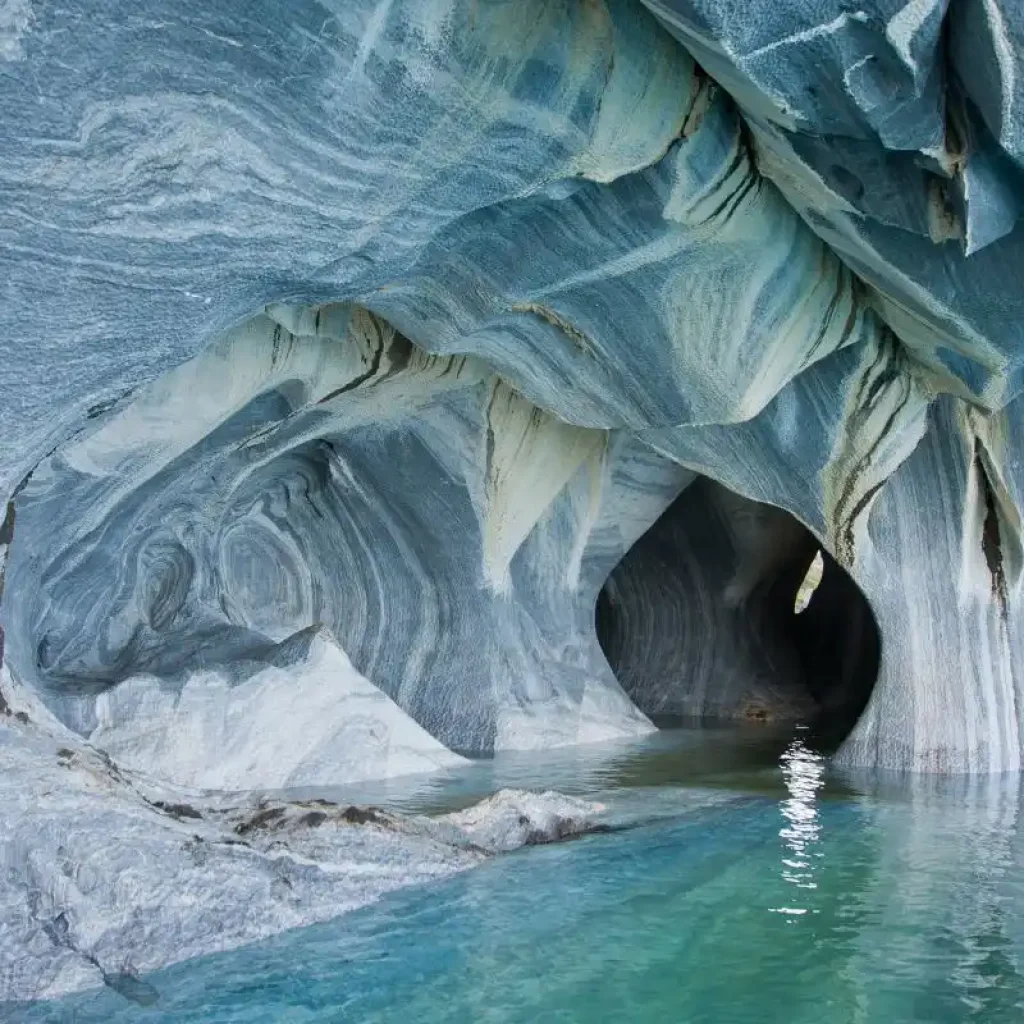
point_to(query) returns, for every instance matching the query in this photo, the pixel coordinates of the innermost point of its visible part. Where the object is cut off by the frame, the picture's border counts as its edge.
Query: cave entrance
(729, 610)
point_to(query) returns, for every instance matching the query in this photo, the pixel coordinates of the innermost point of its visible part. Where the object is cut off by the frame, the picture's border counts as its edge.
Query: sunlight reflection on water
(803, 771)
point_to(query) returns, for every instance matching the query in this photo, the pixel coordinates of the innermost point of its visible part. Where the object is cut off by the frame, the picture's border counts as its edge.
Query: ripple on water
(801, 897)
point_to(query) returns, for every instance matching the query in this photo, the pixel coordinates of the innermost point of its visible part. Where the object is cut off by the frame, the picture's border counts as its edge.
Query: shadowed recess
(699, 620)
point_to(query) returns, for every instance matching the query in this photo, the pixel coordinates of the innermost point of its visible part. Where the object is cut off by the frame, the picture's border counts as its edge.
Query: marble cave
(388, 386)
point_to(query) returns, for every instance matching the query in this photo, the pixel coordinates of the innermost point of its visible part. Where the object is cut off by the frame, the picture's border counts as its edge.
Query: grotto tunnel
(378, 385)
(393, 558)
(727, 609)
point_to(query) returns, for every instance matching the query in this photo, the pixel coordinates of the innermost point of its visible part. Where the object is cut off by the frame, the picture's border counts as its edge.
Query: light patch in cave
(809, 585)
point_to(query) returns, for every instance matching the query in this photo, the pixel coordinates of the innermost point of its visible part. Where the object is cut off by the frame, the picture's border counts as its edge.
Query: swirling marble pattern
(918, 500)
(947, 697)
(578, 212)
(396, 325)
(347, 348)
(193, 169)
(450, 535)
(895, 131)
(118, 876)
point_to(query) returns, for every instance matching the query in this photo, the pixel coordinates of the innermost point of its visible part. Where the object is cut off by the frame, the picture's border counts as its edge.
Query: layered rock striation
(353, 355)
(347, 350)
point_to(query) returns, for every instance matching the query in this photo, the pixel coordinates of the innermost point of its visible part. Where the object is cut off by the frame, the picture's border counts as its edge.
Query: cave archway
(728, 609)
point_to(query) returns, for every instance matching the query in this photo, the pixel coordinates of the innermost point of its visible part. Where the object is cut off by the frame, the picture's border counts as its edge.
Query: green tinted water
(767, 893)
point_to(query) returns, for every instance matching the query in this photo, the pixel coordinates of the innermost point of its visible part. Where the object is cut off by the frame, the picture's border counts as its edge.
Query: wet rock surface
(108, 875)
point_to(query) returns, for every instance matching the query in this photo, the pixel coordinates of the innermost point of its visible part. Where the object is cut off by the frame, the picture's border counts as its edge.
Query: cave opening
(728, 610)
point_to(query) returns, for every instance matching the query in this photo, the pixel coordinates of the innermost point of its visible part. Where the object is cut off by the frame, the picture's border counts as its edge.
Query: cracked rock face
(352, 354)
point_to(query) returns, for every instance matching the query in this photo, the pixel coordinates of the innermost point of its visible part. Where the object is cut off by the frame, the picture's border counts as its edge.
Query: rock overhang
(505, 293)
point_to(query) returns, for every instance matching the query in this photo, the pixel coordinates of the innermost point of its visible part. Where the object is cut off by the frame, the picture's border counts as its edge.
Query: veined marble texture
(894, 128)
(433, 522)
(109, 875)
(599, 226)
(919, 503)
(350, 350)
(579, 224)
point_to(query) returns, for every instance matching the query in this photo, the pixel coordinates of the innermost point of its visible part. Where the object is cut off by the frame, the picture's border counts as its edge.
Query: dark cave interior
(700, 620)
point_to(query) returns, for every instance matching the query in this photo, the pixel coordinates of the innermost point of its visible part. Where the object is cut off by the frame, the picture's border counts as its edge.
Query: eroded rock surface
(347, 348)
(109, 875)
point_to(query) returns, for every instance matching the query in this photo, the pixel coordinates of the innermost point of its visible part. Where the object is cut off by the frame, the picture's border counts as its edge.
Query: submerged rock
(513, 818)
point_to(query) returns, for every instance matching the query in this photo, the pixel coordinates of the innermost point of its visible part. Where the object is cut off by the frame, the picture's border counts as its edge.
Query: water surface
(752, 885)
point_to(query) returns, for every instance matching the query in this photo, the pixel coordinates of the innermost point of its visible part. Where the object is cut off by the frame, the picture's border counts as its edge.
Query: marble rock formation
(116, 876)
(352, 355)
(347, 351)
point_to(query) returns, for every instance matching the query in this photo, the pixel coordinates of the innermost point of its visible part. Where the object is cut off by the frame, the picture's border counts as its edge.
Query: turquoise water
(762, 893)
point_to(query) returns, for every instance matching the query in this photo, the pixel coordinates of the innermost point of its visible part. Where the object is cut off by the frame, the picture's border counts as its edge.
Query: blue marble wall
(405, 320)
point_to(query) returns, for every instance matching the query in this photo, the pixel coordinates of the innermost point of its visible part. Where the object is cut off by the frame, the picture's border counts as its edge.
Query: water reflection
(895, 899)
(731, 757)
(947, 901)
(803, 771)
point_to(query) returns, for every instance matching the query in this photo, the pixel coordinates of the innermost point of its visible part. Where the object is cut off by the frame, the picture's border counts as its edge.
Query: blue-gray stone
(349, 350)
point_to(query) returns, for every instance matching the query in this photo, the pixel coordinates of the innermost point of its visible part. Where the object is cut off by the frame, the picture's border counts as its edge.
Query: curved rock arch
(628, 244)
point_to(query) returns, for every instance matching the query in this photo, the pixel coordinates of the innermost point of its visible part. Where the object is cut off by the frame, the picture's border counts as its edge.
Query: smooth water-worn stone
(304, 717)
(350, 351)
(449, 536)
(901, 152)
(927, 217)
(347, 348)
(580, 224)
(926, 522)
(956, 709)
(578, 212)
(108, 876)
